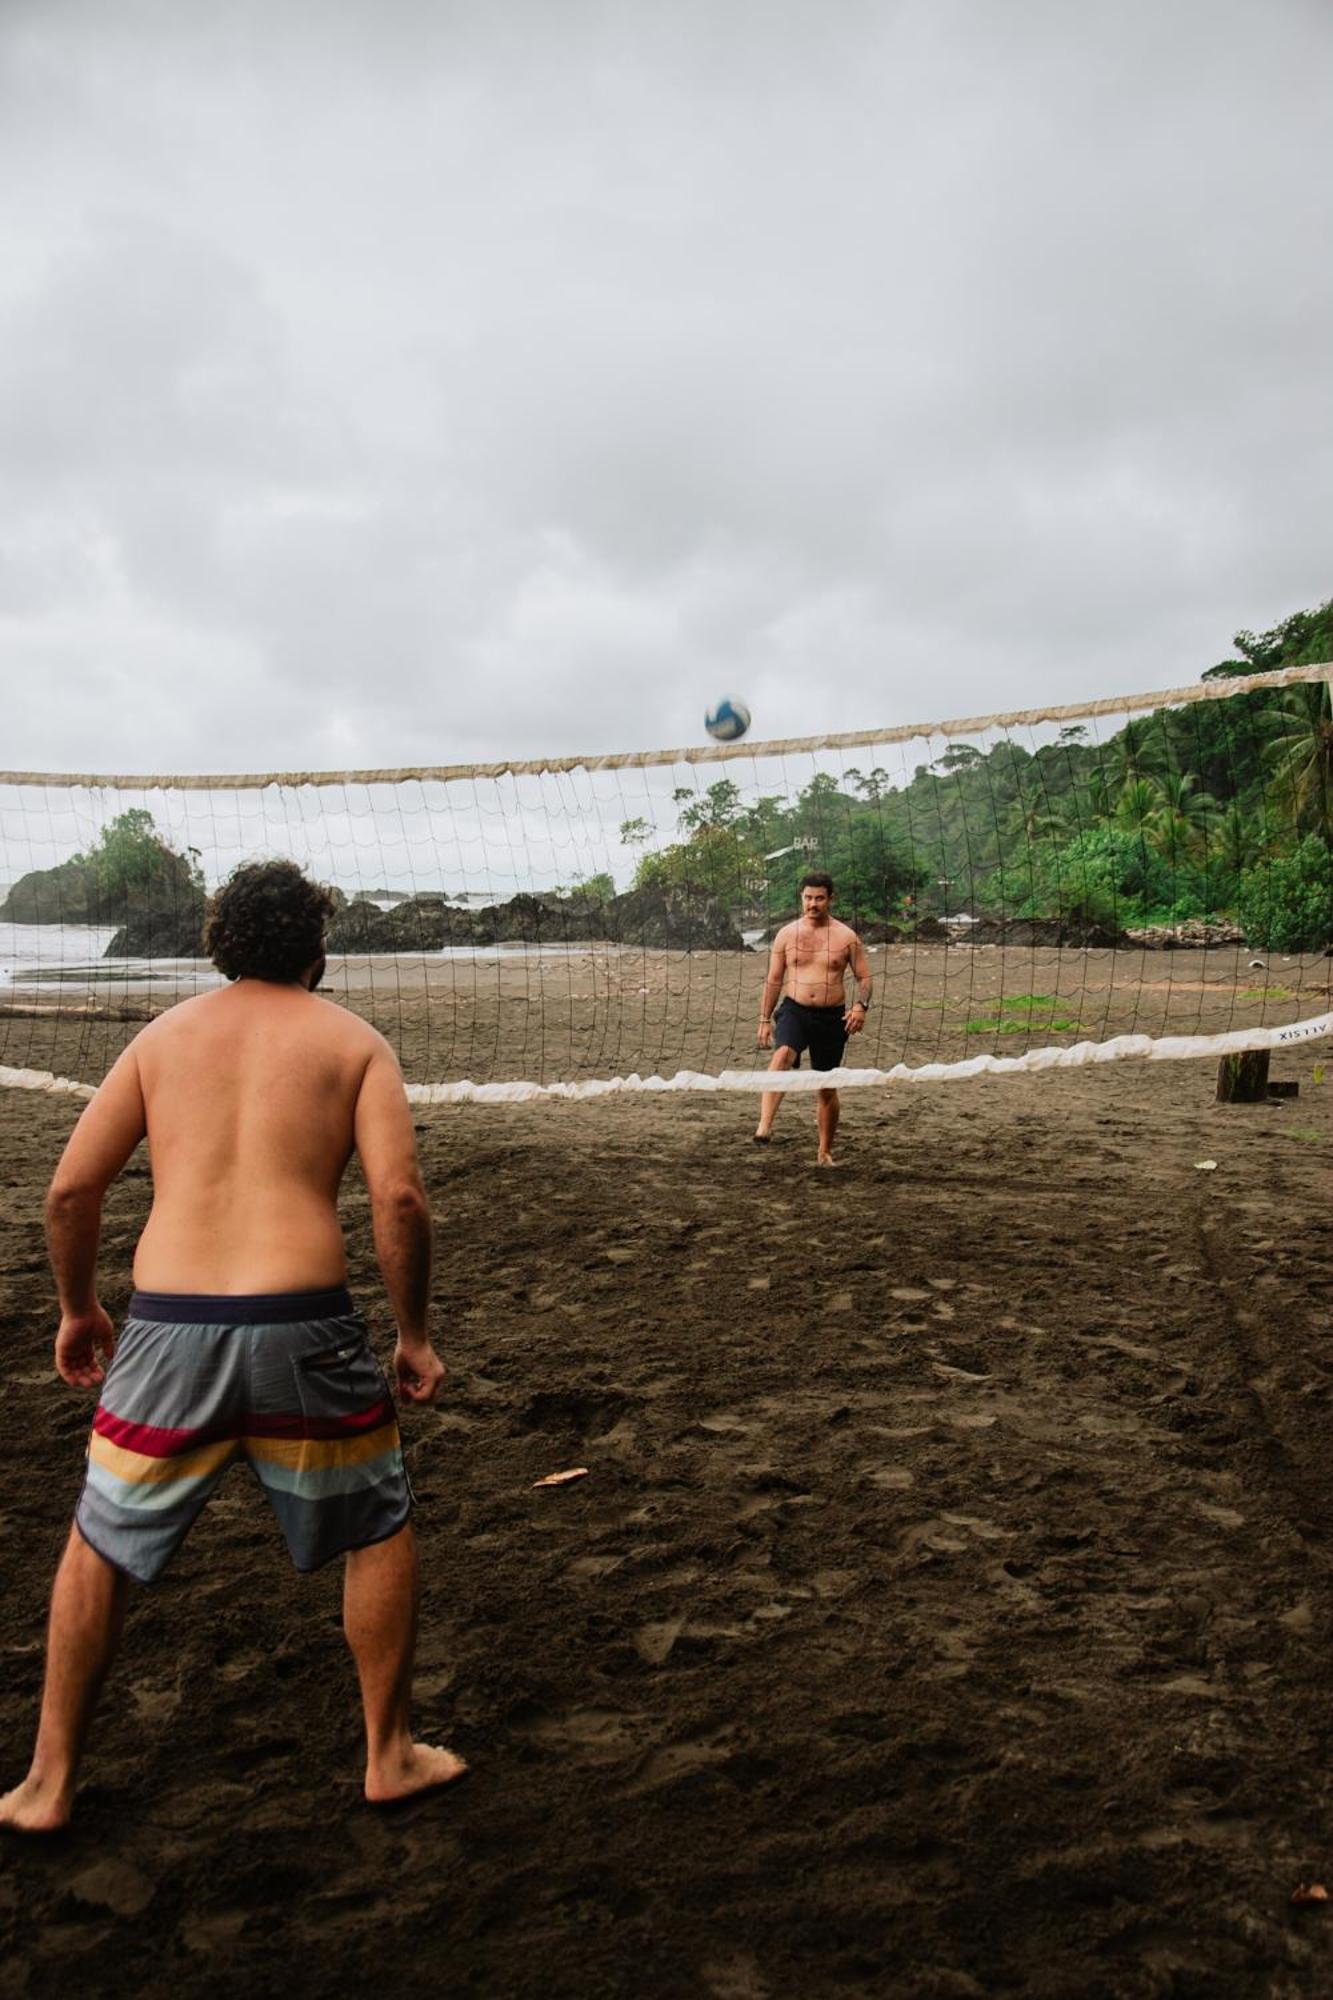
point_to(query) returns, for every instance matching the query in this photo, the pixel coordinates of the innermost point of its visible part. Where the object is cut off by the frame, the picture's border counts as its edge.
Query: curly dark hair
(267, 922)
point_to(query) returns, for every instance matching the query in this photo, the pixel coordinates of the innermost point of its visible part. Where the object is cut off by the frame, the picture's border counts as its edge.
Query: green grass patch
(1306, 1134)
(1052, 1024)
(1020, 1014)
(1266, 993)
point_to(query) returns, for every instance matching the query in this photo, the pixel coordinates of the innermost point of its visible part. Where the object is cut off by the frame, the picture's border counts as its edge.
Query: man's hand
(78, 1340)
(765, 1034)
(418, 1371)
(855, 1018)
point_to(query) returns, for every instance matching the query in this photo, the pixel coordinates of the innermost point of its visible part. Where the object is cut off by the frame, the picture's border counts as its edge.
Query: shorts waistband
(241, 1308)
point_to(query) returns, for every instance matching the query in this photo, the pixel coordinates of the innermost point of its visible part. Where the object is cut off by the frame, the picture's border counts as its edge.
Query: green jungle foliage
(1288, 905)
(1219, 810)
(130, 855)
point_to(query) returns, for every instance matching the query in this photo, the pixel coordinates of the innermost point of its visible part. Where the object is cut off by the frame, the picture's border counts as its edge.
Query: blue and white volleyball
(727, 720)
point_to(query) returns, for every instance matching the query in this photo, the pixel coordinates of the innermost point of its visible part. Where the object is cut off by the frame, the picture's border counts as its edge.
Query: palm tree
(1239, 839)
(1138, 750)
(1137, 807)
(1184, 818)
(1301, 756)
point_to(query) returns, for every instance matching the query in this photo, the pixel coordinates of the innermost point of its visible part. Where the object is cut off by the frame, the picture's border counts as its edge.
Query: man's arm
(105, 1136)
(400, 1215)
(855, 1018)
(777, 972)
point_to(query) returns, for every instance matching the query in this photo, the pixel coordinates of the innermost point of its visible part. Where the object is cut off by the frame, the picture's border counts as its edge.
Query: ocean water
(35, 951)
(27, 948)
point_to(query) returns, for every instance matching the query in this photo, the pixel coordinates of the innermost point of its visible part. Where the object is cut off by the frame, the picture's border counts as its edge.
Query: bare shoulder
(341, 1020)
(846, 937)
(176, 1019)
(353, 1039)
(786, 934)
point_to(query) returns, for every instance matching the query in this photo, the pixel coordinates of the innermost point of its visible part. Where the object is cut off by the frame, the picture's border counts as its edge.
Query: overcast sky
(386, 382)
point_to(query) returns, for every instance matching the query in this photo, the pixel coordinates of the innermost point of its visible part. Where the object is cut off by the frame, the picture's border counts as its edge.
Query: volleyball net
(1149, 876)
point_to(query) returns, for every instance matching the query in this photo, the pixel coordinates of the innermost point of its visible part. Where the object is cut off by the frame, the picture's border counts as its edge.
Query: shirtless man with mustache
(811, 958)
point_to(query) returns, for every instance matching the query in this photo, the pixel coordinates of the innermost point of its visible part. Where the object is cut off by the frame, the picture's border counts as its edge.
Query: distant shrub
(1287, 904)
(1109, 876)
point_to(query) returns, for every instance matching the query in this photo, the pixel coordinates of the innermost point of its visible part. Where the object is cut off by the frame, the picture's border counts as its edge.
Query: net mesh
(1151, 875)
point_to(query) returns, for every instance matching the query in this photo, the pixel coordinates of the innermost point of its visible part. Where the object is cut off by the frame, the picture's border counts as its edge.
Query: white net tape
(698, 753)
(1166, 1048)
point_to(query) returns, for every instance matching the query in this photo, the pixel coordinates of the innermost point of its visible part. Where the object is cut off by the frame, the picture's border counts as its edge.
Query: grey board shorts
(285, 1381)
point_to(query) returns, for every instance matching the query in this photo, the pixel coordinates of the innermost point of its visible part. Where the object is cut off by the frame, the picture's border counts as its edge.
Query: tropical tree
(1238, 839)
(131, 855)
(1136, 751)
(1184, 818)
(871, 785)
(1137, 807)
(1300, 756)
(720, 805)
(1287, 903)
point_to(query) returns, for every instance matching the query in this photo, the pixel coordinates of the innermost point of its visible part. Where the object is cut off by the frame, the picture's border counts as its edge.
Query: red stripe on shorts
(160, 1441)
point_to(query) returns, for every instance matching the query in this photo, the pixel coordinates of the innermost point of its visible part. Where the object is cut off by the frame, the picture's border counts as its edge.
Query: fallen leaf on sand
(562, 1478)
(1206, 1166)
(1309, 1892)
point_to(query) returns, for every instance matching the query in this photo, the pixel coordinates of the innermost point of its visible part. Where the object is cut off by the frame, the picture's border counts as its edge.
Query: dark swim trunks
(286, 1382)
(819, 1029)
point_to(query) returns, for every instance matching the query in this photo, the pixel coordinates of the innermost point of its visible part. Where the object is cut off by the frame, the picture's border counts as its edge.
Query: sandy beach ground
(603, 1011)
(945, 1612)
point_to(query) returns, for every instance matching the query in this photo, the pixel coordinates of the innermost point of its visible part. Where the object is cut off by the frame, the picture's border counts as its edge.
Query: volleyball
(727, 720)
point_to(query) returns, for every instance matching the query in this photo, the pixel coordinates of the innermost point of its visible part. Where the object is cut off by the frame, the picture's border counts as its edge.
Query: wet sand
(945, 1613)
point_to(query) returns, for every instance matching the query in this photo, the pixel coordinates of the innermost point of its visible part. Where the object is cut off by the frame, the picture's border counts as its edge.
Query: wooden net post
(1243, 1079)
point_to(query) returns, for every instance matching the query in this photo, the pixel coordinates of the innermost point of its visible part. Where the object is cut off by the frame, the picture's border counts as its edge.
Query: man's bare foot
(421, 1768)
(36, 1806)
(826, 1160)
(762, 1138)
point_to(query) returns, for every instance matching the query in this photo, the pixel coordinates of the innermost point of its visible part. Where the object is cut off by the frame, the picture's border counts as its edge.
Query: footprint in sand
(681, 1760)
(736, 1978)
(655, 1641)
(582, 1735)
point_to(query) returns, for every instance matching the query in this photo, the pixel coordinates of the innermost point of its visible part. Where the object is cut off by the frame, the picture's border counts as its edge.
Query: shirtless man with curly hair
(241, 1340)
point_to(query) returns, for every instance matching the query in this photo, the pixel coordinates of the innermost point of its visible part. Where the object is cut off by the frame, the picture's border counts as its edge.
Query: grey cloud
(517, 378)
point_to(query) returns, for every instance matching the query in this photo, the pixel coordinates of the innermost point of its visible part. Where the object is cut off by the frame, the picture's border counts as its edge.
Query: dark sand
(946, 1612)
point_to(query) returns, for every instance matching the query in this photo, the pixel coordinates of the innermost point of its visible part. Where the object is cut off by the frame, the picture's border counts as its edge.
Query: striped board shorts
(285, 1381)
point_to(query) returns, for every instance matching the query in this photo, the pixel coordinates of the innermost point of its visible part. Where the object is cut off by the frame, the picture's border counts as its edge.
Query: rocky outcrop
(162, 920)
(672, 920)
(1196, 936)
(1054, 932)
(169, 930)
(68, 894)
(421, 923)
(667, 919)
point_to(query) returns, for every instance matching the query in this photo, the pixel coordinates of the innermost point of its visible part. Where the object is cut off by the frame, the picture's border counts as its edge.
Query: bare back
(250, 1104)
